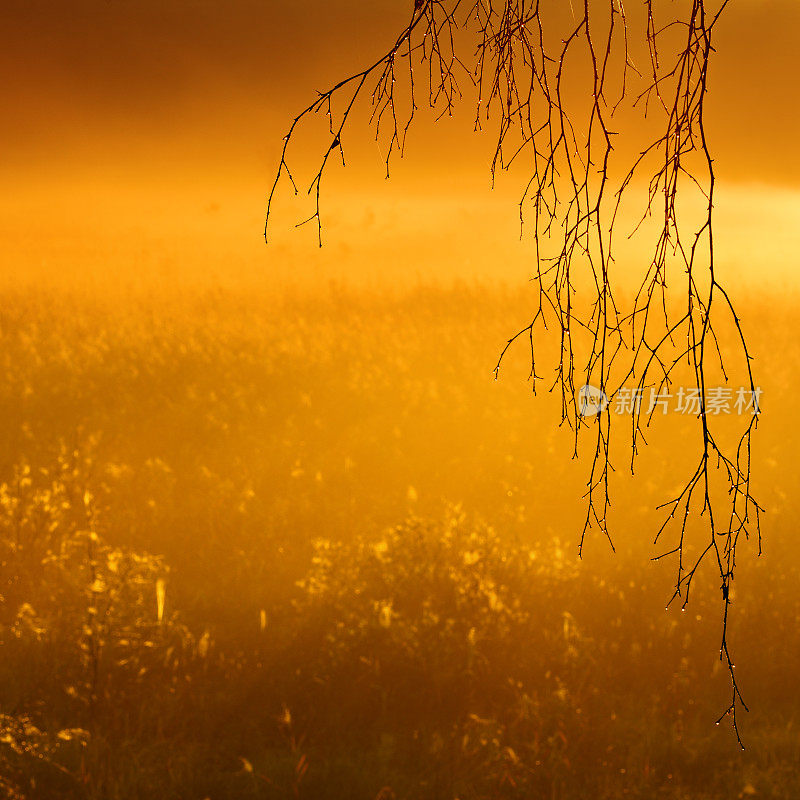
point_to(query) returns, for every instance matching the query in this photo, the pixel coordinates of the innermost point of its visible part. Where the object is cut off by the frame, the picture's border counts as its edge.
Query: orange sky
(144, 134)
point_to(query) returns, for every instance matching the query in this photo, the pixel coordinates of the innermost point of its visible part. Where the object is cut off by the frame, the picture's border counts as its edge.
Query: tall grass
(305, 546)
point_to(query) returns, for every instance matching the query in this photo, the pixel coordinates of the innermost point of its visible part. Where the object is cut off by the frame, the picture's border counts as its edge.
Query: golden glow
(268, 525)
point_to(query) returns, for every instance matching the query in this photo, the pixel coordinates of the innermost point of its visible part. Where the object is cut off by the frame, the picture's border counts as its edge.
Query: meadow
(301, 544)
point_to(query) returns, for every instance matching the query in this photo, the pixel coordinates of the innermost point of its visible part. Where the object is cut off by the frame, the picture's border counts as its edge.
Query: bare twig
(525, 55)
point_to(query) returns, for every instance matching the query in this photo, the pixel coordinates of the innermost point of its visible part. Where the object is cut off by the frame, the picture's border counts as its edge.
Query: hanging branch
(525, 55)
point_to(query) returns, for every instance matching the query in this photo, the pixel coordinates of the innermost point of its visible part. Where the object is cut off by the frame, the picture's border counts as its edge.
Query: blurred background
(147, 134)
(270, 528)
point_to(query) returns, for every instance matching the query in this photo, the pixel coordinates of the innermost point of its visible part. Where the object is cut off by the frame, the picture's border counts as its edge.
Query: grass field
(303, 546)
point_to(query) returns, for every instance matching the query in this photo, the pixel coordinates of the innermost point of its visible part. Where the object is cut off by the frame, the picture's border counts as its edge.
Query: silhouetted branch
(524, 53)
